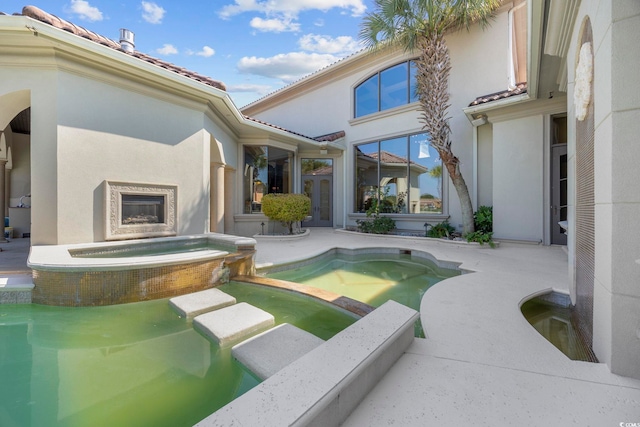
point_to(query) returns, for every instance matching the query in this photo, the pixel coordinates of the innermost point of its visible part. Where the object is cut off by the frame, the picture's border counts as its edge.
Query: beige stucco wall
(616, 335)
(111, 133)
(88, 126)
(324, 104)
(517, 179)
(485, 166)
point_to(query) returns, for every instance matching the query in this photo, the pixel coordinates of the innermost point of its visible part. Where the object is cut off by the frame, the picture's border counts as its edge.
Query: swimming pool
(370, 276)
(135, 364)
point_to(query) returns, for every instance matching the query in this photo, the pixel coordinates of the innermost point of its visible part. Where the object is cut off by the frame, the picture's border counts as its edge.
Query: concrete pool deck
(481, 363)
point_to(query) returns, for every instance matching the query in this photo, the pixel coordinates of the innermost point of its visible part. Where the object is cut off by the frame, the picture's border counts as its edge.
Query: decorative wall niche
(135, 210)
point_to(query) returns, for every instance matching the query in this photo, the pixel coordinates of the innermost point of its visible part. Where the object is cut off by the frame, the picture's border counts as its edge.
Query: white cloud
(206, 52)
(167, 49)
(261, 90)
(291, 7)
(85, 11)
(277, 25)
(326, 44)
(287, 67)
(152, 13)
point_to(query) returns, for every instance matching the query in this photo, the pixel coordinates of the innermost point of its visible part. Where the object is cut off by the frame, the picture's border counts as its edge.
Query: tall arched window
(389, 88)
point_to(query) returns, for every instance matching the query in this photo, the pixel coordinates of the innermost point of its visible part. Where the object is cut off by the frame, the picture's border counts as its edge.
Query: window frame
(408, 198)
(411, 97)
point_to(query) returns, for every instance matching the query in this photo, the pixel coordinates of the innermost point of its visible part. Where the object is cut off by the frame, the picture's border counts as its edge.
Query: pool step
(267, 353)
(194, 304)
(234, 323)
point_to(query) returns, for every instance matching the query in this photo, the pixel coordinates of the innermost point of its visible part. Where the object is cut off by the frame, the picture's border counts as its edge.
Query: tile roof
(330, 137)
(518, 90)
(47, 18)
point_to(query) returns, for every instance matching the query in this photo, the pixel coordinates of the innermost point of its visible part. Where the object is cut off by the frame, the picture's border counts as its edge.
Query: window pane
(266, 170)
(413, 95)
(255, 177)
(393, 175)
(367, 97)
(393, 86)
(366, 175)
(425, 194)
(279, 170)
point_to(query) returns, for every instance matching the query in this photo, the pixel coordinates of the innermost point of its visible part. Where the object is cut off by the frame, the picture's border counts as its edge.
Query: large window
(387, 89)
(266, 170)
(402, 175)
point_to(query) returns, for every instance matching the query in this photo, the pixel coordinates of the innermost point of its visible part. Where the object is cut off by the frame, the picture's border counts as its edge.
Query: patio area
(481, 362)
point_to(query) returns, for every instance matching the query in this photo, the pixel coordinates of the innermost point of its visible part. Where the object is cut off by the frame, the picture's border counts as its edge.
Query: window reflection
(401, 175)
(392, 87)
(266, 170)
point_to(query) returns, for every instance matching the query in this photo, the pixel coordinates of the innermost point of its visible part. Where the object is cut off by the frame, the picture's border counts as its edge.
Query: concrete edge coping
(329, 381)
(431, 239)
(266, 268)
(60, 257)
(282, 236)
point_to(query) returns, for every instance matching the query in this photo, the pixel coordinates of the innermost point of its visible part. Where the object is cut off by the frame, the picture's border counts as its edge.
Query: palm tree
(420, 25)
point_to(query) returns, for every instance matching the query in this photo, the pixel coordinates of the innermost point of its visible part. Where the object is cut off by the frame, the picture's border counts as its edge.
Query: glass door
(317, 184)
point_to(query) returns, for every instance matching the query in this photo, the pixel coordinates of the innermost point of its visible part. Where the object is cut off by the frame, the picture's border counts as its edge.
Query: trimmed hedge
(286, 208)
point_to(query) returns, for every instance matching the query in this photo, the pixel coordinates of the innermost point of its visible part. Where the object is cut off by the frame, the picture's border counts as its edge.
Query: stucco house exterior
(544, 137)
(545, 110)
(84, 120)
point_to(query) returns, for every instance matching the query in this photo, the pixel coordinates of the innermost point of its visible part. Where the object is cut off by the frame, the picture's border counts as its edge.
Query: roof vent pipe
(126, 40)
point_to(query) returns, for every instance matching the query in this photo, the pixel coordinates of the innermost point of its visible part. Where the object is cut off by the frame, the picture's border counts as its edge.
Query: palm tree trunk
(434, 67)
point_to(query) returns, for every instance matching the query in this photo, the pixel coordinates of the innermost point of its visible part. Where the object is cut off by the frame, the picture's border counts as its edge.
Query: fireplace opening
(142, 209)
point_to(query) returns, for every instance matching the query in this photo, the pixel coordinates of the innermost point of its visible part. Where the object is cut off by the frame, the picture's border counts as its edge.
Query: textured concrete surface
(323, 386)
(267, 353)
(231, 324)
(194, 304)
(481, 362)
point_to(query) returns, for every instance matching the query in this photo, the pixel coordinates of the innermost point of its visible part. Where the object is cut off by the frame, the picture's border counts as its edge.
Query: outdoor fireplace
(136, 210)
(142, 209)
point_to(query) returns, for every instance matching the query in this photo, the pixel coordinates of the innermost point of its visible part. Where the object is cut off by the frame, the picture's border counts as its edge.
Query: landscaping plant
(286, 208)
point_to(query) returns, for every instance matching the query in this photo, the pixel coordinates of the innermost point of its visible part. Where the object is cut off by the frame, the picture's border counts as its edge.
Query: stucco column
(229, 177)
(217, 198)
(3, 202)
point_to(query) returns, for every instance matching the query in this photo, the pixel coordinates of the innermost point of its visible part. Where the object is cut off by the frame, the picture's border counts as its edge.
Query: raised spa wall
(77, 275)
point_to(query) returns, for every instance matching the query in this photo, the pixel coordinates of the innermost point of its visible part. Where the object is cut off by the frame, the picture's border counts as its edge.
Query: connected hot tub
(108, 273)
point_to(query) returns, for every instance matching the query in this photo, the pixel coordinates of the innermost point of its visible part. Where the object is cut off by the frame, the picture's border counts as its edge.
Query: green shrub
(483, 219)
(286, 208)
(443, 229)
(377, 225)
(481, 237)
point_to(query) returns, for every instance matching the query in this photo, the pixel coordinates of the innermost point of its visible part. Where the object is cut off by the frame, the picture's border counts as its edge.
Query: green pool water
(553, 321)
(371, 278)
(132, 364)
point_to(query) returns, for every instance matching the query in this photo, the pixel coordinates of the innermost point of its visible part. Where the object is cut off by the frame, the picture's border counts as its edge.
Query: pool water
(134, 364)
(372, 278)
(553, 321)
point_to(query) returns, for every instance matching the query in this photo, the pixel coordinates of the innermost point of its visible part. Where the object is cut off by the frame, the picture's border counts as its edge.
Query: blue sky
(253, 46)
